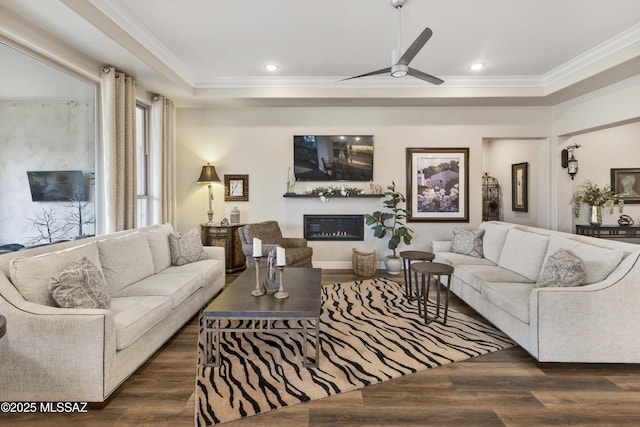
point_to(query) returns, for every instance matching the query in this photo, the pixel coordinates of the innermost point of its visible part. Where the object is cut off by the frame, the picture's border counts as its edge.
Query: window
(142, 159)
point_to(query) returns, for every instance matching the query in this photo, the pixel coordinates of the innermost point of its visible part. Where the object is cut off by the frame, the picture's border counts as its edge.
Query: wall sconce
(209, 176)
(570, 163)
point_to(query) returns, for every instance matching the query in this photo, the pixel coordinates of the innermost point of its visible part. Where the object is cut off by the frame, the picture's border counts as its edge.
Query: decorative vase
(393, 264)
(596, 215)
(235, 215)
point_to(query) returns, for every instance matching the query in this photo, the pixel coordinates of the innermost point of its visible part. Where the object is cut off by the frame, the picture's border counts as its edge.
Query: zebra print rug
(369, 333)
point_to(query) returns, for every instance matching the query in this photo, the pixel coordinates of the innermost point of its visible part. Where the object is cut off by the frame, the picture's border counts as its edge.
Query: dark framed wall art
(625, 182)
(236, 188)
(520, 187)
(438, 184)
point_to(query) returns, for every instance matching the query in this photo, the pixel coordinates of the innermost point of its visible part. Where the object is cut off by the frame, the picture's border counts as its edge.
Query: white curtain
(118, 159)
(162, 187)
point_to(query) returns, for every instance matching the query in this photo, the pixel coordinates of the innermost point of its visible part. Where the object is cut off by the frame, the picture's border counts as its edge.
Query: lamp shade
(208, 174)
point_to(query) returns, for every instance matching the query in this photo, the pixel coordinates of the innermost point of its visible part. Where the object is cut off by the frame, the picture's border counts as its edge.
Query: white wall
(603, 123)
(599, 152)
(500, 155)
(601, 108)
(41, 136)
(259, 142)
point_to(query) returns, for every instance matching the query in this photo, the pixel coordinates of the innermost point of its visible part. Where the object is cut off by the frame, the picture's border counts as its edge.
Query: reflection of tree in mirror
(48, 226)
(80, 214)
(77, 214)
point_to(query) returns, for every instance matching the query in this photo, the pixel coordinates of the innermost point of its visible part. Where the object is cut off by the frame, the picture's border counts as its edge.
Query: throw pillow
(493, 239)
(598, 262)
(158, 239)
(562, 269)
(125, 260)
(31, 275)
(523, 253)
(186, 248)
(80, 285)
(467, 242)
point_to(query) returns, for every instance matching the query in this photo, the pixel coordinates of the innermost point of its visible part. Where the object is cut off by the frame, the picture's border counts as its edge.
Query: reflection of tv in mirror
(57, 186)
(333, 157)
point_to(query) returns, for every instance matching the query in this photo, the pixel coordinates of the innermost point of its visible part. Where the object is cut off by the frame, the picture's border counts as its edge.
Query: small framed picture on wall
(236, 188)
(520, 187)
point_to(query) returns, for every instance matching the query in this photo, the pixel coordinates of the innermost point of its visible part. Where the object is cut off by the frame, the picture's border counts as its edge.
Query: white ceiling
(213, 52)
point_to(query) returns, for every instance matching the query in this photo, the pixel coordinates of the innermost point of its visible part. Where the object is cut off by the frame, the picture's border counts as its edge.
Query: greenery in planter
(592, 195)
(336, 191)
(391, 223)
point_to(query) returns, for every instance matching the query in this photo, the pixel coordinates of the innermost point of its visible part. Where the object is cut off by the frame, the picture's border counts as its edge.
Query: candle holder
(270, 282)
(258, 290)
(281, 294)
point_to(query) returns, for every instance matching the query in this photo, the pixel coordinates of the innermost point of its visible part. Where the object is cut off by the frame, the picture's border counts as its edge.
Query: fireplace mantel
(334, 196)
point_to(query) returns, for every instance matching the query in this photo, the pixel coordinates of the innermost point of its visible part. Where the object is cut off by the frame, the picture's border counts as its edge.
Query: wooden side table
(227, 237)
(609, 231)
(407, 257)
(436, 270)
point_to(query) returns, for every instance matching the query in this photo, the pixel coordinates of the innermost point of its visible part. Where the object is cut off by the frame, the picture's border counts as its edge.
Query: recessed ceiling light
(271, 67)
(477, 67)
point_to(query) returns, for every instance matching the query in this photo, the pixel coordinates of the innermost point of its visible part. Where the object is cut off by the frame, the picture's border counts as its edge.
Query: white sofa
(597, 322)
(81, 354)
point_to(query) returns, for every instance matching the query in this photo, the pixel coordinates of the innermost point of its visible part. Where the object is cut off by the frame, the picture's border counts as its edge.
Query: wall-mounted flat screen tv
(57, 186)
(333, 157)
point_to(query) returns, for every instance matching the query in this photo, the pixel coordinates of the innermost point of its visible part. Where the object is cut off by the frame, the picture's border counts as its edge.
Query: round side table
(436, 270)
(407, 257)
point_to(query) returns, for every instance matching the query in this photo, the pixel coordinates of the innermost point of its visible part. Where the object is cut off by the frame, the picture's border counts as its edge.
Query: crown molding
(618, 49)
(369, 82)
(116, 13)
(591, 57)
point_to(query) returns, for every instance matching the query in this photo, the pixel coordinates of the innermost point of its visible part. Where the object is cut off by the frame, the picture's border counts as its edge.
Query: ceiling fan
(400, 67)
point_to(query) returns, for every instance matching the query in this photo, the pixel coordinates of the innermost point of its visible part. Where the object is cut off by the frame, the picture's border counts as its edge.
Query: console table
(609, 231)
(227, 237)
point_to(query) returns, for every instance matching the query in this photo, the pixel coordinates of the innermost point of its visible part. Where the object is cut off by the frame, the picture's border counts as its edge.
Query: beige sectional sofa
(594, 322)
(83, 354)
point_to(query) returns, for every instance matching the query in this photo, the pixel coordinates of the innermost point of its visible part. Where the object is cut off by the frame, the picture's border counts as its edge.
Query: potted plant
(391, 224)
(596, 198)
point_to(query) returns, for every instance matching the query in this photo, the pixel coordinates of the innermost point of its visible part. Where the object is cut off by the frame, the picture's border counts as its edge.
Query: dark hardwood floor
(504, 388)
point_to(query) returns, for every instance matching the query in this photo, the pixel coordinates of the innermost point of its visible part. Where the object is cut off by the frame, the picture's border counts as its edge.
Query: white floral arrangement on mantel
(335, 191)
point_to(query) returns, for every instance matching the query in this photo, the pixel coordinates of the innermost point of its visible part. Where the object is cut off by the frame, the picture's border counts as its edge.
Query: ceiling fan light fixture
(400, 63)
(399, 70)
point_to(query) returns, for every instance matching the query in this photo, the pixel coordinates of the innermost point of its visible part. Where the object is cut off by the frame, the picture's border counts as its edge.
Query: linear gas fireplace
(334, 227)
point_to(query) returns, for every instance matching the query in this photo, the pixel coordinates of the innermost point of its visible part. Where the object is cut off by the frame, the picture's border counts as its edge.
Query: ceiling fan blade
(415, 47)
(424, 76)
(372, 73)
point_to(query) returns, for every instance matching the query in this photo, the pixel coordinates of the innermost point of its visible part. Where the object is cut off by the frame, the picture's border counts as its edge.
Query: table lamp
(209, 176)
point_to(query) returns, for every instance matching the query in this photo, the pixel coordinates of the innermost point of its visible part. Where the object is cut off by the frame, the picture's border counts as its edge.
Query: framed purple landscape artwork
(438, 184)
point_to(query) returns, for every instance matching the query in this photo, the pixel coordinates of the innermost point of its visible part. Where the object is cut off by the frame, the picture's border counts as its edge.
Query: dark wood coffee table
(235, 302)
